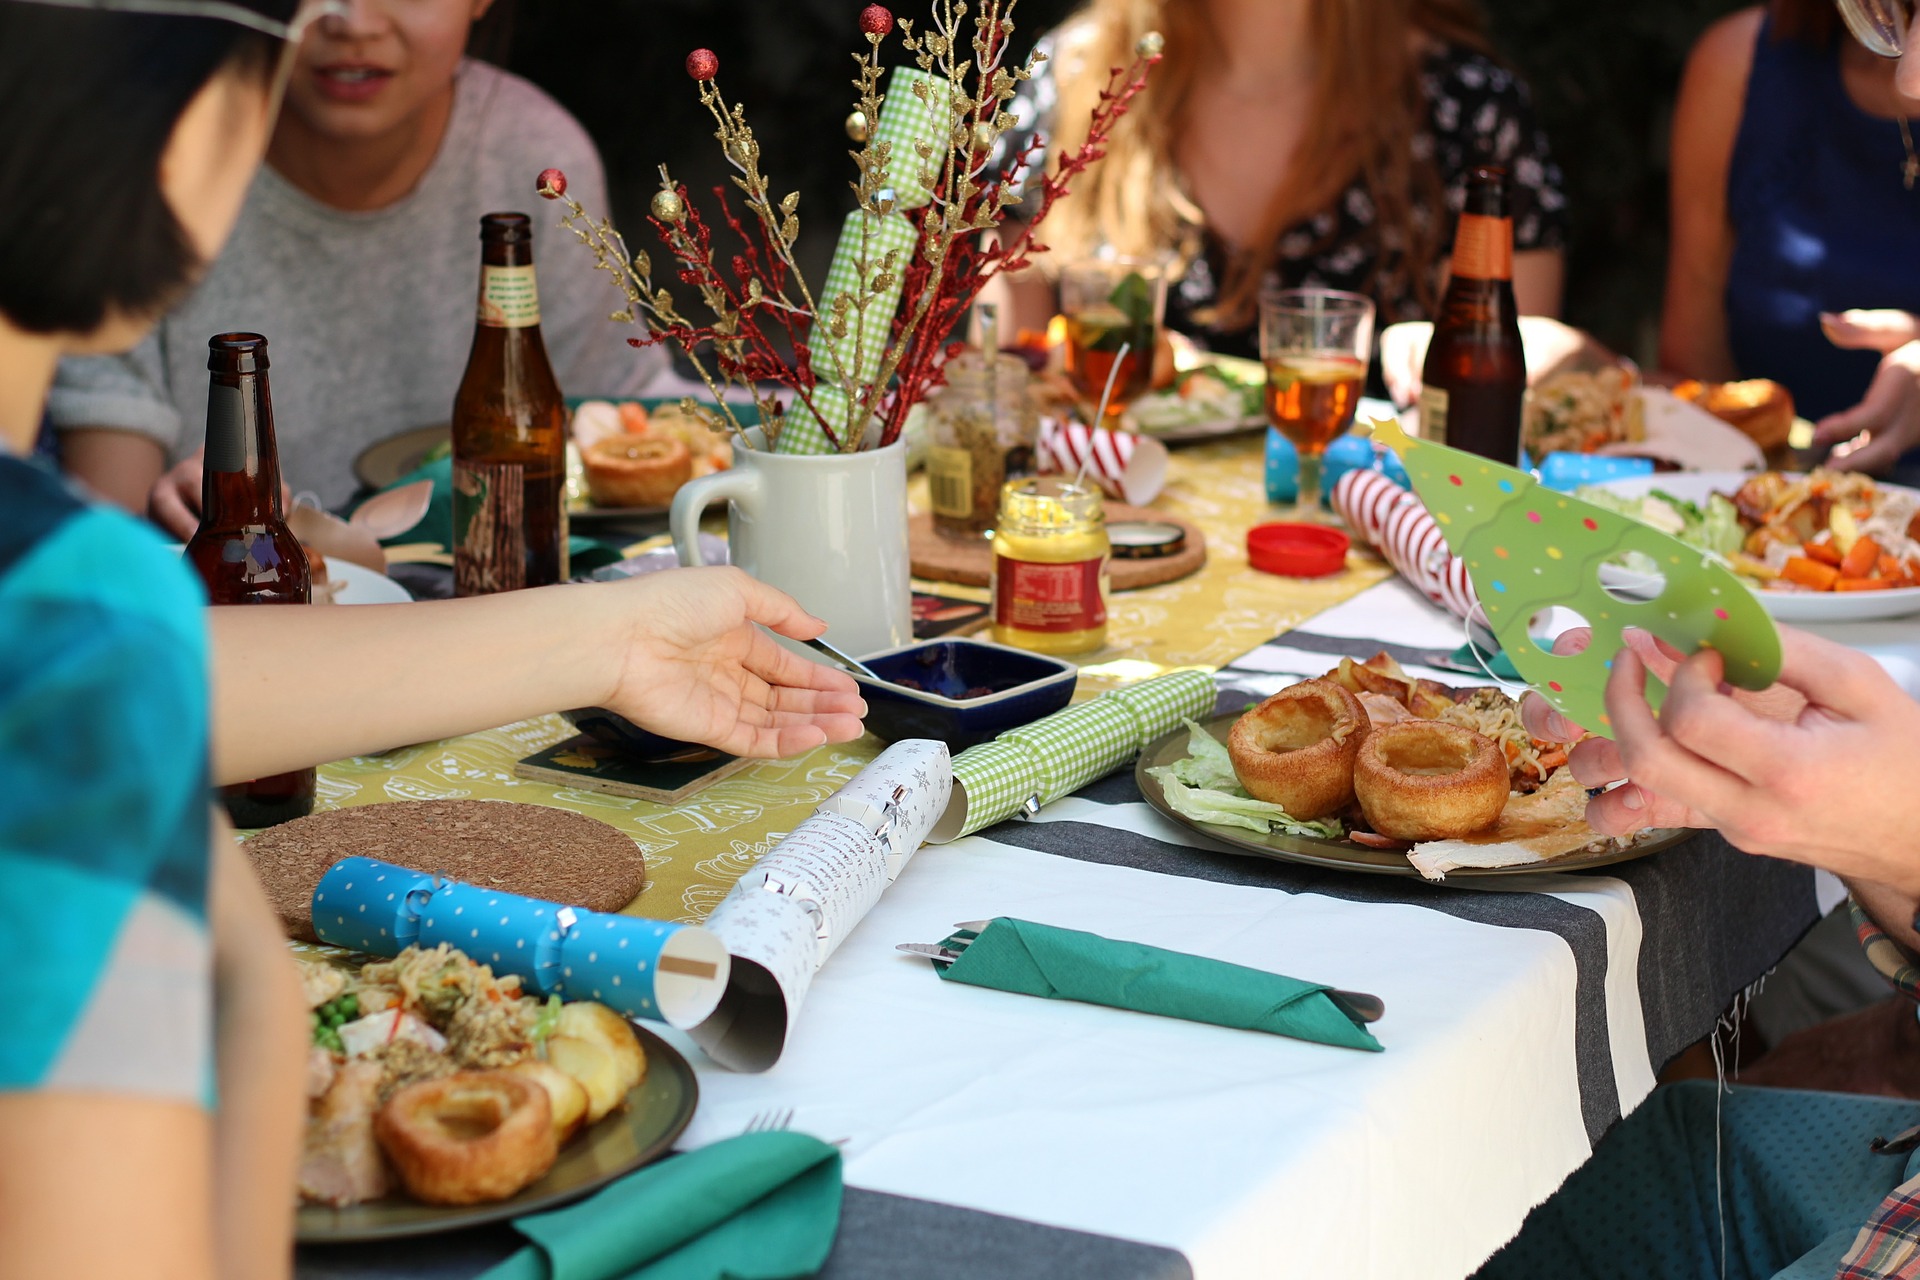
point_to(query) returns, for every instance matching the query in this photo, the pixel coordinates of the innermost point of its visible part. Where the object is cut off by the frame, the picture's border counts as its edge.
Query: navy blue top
(1821, 222)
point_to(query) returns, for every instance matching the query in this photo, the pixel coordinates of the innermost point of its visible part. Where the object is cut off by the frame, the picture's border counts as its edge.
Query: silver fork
(773, 1121)
(1358, 1004)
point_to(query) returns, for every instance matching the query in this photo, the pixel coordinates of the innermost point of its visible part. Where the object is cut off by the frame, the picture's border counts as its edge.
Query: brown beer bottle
(1476, 370)
(243, 550)
(509, 430)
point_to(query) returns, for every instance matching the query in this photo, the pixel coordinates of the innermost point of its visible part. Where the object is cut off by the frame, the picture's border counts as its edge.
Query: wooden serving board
(939, 558)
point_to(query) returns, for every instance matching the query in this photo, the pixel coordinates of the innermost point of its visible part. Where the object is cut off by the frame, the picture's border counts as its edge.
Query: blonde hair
(1367, 105)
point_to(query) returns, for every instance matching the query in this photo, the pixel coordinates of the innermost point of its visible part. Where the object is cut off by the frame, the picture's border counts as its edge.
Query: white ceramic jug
(829, 530)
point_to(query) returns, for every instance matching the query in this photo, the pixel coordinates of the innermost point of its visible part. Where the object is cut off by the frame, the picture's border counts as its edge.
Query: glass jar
(1050, 553)
(983, 431)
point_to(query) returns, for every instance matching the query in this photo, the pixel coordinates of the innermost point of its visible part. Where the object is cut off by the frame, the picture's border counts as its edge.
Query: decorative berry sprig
(761, 305)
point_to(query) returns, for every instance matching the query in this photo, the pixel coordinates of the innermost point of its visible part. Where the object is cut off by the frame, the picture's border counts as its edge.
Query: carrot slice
(1810, 573)
(1824, 552)
(1859, 562)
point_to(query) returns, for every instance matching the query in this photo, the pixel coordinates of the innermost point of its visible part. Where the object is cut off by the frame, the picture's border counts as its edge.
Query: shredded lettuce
(546, 1021)
(1715, 527)
(1203, 787)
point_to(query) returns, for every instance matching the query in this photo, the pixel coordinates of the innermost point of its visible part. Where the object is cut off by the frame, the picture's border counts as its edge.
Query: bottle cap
(1297, 550)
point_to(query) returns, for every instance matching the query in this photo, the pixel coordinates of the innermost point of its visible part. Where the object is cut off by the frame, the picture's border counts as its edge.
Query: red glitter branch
(969, 265)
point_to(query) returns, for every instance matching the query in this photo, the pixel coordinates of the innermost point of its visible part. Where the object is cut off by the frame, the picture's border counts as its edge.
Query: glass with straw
(1113, 308)
(1316, 344)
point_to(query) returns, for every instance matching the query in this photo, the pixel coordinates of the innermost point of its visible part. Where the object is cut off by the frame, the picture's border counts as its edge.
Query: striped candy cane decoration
(1402, 530)
(1064, 447)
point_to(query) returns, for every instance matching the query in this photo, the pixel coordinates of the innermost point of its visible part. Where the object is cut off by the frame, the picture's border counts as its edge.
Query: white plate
(360, 585)
(1788, 606)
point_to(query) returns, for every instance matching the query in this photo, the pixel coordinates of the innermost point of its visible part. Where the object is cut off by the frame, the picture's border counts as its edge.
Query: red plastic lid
(1297, 550)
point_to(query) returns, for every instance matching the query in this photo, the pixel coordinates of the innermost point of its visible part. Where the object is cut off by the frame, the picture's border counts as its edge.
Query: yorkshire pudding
(636, 471)
(468, 1138)
(1297, 748)
(1429, 780)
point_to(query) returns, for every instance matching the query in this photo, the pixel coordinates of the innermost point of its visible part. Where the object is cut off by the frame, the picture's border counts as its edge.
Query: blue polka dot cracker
(365, 905)
(1529, 549)
(643, 968)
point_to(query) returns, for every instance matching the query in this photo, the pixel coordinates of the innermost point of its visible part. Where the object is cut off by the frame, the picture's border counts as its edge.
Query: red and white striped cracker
(1129, 467)
(1400, 527)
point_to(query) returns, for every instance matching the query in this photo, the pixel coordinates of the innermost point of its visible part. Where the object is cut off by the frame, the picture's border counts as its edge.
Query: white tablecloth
(1253, 1155)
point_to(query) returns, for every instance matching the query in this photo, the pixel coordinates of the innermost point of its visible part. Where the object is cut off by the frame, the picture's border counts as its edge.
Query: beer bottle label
(508, 297)
(950, 482)
(1483, 248)
(489, 527)
(1434, 403)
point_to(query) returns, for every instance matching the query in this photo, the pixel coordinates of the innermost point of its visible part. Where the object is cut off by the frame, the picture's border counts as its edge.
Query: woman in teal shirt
(150, 1078)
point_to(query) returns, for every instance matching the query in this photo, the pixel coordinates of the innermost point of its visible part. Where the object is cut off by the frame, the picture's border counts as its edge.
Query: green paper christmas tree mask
(1528, 548)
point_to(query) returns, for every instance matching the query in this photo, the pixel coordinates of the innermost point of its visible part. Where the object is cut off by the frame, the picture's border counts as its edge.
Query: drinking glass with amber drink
(1316, 344)
(1113, 308)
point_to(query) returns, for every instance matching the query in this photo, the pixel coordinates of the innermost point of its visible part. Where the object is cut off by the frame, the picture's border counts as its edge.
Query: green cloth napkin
(1058, 754)
(763, 1206)
(1065, 964)
(1473, 658)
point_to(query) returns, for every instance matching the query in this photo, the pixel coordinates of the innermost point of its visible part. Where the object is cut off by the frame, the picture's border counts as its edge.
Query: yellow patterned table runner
(697, 849)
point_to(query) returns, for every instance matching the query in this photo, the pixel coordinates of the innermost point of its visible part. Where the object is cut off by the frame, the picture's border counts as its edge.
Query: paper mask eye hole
(1632, 577)
(1547, 626)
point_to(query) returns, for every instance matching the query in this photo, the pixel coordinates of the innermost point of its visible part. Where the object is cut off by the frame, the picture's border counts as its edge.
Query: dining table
(990, 1134)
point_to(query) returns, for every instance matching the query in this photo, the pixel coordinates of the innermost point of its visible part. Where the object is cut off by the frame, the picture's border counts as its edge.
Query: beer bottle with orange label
(509, 430)
(243, 549)
(1476, 370)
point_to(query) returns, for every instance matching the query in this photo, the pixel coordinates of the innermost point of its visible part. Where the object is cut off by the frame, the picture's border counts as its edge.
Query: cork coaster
(938, 558)
(527, 849)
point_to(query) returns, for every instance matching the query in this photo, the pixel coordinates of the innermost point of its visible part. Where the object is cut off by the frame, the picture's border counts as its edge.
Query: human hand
(1810, 770)
(1403, 355)
(1873, 434)
(1881, 331)
(695, 667)
(174, 503)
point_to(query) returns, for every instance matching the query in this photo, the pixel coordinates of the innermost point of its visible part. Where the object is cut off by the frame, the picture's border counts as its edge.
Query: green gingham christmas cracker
(905, 119)
(1065, 751)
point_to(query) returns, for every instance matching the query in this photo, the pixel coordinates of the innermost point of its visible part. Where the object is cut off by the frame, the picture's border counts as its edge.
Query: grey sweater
(369, 315)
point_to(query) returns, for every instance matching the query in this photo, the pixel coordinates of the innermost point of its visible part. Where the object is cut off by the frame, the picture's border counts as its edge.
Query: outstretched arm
(678, 653)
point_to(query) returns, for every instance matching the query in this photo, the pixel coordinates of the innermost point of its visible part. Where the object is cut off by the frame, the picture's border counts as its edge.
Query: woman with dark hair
(151, 1069)
(1794, 200)
(1312, 142)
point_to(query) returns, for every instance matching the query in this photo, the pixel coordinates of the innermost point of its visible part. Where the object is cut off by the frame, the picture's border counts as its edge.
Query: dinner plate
(656, 1113)
(1344, 855)
(361, 585)
(1787, 606)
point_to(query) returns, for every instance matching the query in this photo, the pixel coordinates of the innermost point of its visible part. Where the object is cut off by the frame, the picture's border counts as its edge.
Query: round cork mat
(528, 849)
(970, 563)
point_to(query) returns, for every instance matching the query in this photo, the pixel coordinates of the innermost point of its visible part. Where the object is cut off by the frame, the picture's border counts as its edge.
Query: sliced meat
(320, 1072)
(1383, 709)
(341, 1163)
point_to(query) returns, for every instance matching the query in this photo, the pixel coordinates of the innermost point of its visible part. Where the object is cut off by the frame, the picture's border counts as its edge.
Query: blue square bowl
(927, 683)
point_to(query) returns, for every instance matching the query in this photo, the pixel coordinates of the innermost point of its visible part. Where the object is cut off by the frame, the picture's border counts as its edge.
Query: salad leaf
(1714, 528)
(1225, 809)
(547, 1021)
(1202, 786)
(1207, 763)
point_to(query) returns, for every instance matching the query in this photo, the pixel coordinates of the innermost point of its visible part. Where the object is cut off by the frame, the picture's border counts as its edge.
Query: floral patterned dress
(1478, 112)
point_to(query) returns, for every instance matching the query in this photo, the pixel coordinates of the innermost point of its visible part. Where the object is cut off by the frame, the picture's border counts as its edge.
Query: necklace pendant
(1910, 172)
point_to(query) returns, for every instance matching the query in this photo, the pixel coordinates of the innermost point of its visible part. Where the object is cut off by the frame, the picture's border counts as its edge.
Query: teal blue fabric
(762, 1206)
(1797, 1181)
(103, 788)
(1474, 658)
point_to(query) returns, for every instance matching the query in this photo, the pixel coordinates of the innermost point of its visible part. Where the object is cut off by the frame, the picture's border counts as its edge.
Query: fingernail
(1632, 797)
(1561, 728)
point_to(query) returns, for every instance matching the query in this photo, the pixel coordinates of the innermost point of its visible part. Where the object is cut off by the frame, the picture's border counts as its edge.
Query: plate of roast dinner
(1369, 769)
(441, 1096)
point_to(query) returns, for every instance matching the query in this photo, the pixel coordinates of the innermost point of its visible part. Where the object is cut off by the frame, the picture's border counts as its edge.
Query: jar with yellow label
(983, 430)
(1050, 566)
